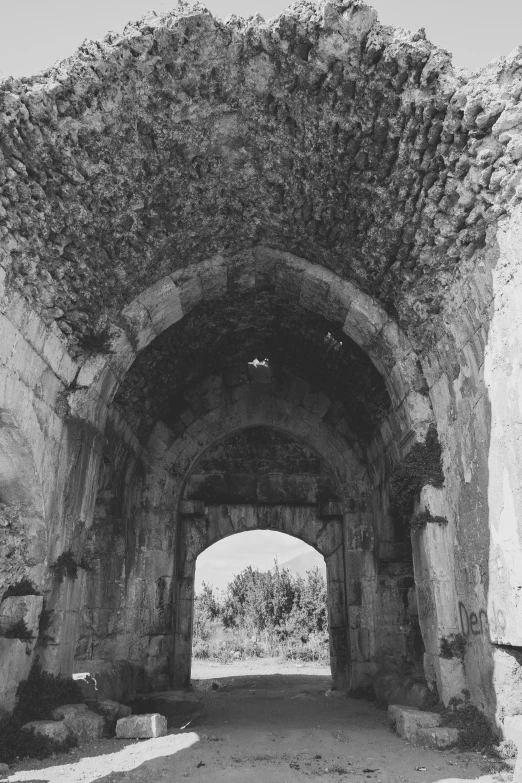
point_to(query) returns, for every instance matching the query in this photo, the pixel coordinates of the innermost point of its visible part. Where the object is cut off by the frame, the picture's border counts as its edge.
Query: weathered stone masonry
(320, 191)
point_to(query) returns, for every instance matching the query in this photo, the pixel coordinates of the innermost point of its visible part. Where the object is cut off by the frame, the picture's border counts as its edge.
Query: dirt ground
(261, 722)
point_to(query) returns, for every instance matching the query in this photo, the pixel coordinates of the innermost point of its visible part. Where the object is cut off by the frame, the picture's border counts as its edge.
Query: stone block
(407, 720)
(437, 738)
(110, 709)
(141, 726)
(107, 708)
(83, 724)
(54, 729)
(4, 770)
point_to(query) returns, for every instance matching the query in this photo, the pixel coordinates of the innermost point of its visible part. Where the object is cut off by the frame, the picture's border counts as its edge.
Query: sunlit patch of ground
(93, 768)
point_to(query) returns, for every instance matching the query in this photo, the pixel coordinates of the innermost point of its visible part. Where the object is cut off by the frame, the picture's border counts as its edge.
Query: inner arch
(262, 479)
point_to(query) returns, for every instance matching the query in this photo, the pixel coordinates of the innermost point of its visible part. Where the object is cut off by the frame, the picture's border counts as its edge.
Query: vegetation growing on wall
(263, 614)
(37, 697)
(96, 341)
(23, 587)
(423, 465)
(424, 518)
(475, 729)
(43, 626)
(453, 646)
(19, 631)
(67, 566)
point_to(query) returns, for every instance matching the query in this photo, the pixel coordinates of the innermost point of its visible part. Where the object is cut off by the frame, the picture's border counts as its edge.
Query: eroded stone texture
(241, 329)
(100, 173)
(53, 729)
(320, 191)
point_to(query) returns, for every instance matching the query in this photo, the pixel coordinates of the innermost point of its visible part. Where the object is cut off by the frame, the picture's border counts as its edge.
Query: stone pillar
(65, 598)
(433, 566)
(338, 619)
(360, 591)
(182, 659)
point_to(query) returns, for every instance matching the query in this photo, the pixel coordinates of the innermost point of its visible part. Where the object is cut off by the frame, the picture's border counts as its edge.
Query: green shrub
(453, 646)
(23, 587)
(42, 692)
(423, 465)
(96, 341)
(475, 730)
(260, 614)
(19, 743)
(37, 697)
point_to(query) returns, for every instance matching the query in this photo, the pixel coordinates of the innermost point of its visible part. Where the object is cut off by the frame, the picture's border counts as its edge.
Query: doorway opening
(260, 604)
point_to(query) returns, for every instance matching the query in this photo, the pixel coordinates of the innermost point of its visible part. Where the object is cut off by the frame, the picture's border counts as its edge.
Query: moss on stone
(423, 465)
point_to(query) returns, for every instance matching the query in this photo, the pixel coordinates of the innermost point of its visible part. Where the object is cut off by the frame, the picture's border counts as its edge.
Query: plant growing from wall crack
(453, 646)
(67, 566)
(424, 518)
(423, 465)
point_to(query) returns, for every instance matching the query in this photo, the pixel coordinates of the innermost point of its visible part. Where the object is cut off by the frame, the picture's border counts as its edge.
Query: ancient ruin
(263, 275)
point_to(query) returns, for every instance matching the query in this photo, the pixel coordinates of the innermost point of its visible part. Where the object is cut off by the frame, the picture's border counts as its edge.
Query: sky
(36, 33)
(218, 564)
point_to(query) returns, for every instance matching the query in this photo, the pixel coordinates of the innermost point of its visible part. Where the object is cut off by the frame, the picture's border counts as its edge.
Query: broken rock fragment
(142, 726)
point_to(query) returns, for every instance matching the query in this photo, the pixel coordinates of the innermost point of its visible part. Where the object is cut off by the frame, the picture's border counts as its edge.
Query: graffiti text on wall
(476, 624)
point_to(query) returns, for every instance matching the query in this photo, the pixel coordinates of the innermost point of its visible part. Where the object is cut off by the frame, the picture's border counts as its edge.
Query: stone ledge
(422, 728)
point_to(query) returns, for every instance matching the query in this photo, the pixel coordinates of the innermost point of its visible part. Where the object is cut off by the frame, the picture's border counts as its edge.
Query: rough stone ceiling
(238, 329)
(260, 464)
(321, 132)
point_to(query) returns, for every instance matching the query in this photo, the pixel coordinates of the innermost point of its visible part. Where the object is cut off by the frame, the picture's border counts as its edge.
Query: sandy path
(268, 728)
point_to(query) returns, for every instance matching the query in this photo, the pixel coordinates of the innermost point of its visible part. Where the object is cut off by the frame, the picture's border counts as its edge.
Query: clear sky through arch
(218, 564)
(36, 33)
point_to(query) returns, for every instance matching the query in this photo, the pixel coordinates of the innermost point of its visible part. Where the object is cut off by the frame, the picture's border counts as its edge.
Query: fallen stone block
(66, 710)
(83, 724)
(407, 720)
(440, 737)
(141, 726)
(109, 709)
(394, 689)
(55, 730)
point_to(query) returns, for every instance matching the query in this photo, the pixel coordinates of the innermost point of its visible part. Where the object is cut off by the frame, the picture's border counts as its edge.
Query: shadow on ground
(277, 728)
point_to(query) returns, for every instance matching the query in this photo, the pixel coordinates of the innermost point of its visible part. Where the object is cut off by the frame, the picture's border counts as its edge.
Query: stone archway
(248, 481)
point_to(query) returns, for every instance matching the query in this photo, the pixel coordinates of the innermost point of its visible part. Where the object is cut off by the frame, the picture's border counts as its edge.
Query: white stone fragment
(407, 720)
(141, 726)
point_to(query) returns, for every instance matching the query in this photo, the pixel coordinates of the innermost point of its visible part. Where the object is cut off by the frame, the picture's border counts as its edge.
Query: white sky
(218, 564)
(36, 33)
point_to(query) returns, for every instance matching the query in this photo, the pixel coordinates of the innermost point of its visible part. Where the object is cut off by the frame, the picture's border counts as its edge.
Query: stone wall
(320, 191)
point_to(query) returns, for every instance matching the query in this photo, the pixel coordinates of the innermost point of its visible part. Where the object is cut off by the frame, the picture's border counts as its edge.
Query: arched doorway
(259, 595)
(261, 479)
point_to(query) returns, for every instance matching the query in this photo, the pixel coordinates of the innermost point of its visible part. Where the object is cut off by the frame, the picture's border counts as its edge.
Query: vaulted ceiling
(349, 143)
